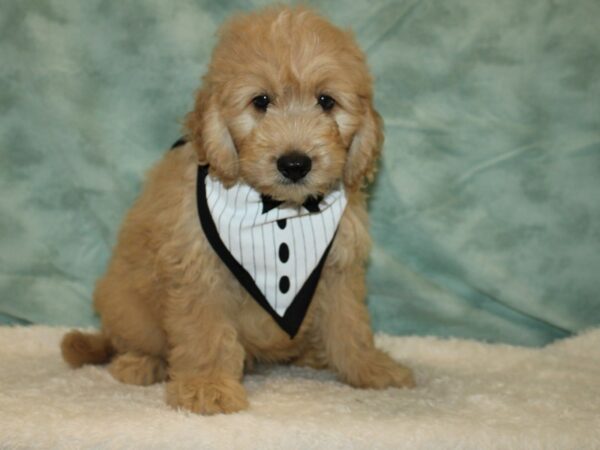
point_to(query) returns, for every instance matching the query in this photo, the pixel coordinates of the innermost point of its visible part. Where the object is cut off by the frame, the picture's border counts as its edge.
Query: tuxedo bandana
(275, 250)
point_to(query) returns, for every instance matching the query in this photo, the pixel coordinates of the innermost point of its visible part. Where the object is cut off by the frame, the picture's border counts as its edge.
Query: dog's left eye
(261, 102)
(326, 102)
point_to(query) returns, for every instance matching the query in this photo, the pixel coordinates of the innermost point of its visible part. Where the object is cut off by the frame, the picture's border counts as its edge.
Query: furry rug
(471, 395)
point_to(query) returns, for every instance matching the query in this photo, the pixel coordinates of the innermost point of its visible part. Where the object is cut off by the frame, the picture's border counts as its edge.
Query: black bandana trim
(181, 141)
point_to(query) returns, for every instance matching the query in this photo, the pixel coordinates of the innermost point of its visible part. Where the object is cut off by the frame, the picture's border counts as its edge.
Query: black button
(284, 284)
(284, 252)
(281, 223)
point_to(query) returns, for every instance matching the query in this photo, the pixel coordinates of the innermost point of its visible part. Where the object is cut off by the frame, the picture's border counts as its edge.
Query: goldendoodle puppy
(249, 240)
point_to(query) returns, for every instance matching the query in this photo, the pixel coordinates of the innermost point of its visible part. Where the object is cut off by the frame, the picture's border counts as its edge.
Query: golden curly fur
(171, 310)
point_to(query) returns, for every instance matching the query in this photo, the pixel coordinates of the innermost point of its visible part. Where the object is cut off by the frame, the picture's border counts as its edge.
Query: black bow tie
(311, 203)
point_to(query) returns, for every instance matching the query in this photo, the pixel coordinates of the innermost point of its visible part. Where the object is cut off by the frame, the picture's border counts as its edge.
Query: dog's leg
(347, 337)
(206, 360)
(135, 368)
(311, 358)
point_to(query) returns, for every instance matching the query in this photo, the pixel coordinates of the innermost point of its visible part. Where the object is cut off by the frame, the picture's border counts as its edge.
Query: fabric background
(485, 215)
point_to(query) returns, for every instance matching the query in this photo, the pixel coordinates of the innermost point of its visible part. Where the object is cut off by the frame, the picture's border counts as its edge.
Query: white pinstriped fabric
(279, 248)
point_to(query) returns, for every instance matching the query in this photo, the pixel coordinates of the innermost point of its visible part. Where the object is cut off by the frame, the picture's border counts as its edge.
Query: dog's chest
(263, 338)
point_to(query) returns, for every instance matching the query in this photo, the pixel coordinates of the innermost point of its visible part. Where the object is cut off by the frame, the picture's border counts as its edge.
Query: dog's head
(286, 106)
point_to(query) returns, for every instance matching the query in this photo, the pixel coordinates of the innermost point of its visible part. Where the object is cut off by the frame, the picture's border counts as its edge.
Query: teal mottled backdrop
(486, 214)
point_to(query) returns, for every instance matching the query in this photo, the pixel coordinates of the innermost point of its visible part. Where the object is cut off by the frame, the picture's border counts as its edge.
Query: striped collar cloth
(275, 250)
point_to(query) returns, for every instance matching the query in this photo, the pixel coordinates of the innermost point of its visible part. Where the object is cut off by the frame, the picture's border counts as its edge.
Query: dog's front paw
(206, 395)
(379, 372)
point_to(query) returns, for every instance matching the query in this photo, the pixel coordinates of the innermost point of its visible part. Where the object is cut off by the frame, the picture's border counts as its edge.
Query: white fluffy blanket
(471, 395)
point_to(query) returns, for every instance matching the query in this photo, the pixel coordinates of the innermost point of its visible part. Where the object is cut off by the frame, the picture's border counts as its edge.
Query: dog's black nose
(294, 165)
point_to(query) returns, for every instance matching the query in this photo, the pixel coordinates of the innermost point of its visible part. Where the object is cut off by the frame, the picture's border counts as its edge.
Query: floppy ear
(364, 150)
(212, 140)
